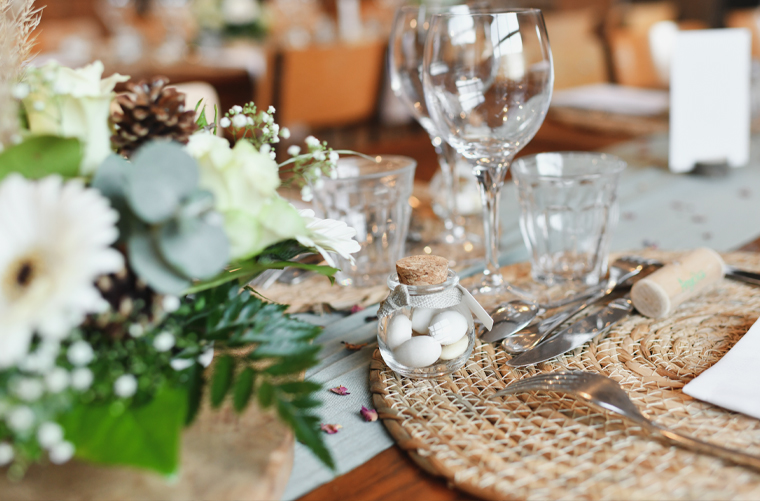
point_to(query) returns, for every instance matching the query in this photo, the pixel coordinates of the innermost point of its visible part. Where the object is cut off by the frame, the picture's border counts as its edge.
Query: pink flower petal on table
(357, 308)
(330, 429)
(340, 390)
(354, 347)
(369, 414)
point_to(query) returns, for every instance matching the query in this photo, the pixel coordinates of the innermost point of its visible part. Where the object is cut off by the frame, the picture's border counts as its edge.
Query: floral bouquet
(128, 233)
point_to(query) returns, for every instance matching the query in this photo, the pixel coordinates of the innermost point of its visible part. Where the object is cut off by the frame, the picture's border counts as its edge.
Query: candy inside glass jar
(425, 329)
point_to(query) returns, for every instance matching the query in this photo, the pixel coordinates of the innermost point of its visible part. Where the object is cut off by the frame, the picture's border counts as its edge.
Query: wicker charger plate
(550, 446)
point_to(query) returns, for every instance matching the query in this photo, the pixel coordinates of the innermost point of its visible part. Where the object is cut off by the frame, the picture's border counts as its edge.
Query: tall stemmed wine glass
(407, 42)
(487, 80)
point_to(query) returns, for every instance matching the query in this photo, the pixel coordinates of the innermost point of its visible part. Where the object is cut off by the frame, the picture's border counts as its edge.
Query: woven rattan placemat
(550, 446)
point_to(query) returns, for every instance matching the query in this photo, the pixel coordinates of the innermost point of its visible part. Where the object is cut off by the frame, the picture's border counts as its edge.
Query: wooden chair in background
(577, 50)
(326, 86)
(750, 19)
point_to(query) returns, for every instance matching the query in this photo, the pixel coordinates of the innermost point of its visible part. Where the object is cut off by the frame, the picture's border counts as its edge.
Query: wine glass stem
(490, 181)
(447, 158)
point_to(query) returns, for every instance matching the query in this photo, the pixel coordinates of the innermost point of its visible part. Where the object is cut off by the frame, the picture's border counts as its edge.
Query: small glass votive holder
(568, 204)
(426, 342)
(371, 196)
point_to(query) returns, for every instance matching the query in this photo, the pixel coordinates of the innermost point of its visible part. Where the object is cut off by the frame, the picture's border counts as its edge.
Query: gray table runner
(671, 211)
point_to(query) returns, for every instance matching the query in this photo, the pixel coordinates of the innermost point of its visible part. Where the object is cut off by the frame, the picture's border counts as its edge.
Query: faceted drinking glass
(568, 205)
(371, 196)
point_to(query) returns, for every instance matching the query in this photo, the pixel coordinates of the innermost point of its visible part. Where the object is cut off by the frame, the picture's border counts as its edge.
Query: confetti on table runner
(340, 390)
(369, 414)
(331, 429)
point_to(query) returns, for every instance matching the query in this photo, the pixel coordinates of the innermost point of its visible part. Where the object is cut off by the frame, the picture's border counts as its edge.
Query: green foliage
(163, 216)
(282, 350)
(40, 156)
(202, 121)
(145, 436)
(274, 257)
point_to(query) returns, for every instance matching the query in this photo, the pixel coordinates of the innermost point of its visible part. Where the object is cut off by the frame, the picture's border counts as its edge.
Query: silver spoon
(509, 318)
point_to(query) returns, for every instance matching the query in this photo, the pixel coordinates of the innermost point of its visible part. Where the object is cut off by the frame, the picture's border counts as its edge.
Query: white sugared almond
(398, 331)
(421, 319)
(452, 351)
(448, 327)
(420, 351)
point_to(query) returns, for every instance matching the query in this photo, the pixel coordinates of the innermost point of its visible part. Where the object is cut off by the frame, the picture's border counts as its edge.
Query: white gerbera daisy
(54, 242)
(328, 235)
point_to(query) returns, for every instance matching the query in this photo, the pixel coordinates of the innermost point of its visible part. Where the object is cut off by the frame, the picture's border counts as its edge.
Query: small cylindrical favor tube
(660, 293)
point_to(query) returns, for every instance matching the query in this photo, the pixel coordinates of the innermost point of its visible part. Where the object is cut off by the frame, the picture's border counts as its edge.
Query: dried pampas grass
(18, 20)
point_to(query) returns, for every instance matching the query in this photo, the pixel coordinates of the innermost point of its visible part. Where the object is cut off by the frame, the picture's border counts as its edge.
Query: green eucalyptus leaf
(145, 436)
(306, 428)
(222, 379)
(147, 262)
(266, 394)
(243, 389)
(40, 156)
(194, 247)
(110, 179)
(162, 175)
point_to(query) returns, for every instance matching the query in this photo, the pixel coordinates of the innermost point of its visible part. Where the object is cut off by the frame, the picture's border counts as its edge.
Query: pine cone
(131, 302)
(150, 111)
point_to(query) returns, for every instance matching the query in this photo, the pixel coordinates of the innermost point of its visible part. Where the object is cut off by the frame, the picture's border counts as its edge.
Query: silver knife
(742, 275)
(577, 334)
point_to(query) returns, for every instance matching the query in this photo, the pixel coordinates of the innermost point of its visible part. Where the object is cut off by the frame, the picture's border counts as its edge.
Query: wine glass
(487, 80)
(407, 40)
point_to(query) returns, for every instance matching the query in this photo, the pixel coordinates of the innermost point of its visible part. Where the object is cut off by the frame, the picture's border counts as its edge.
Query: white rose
(244, 182)
(74, 103)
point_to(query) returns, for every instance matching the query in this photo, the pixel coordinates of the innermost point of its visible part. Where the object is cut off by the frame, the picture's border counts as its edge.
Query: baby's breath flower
(62, 452)
(164, 341)
(20, 418)
(333, 173)
(319, 183)
(57, 380)
(312, 142)
(225, 122)
(294, 150)
(275, 129)
(81, 378)
(235, 110)
(272, 155)
(80, 353)
(265, 148)
(285, 133)
(136, 330)
(6, 453)
(306, 194)
(271, 109)
(170, 304)
(249, 120)
(334, 157)
(239, 121)
(28, 389)
(265, 130)
(125, 385)
(319, 156)
(21, 90)
(49, 434)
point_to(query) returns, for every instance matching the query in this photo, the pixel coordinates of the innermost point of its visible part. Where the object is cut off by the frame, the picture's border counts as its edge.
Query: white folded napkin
(734, 382)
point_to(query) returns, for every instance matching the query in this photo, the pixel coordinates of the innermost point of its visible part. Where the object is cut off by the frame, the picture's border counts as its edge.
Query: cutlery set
(534, 340)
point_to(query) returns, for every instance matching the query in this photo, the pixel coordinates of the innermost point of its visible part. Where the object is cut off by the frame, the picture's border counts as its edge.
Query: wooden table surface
(393, 476)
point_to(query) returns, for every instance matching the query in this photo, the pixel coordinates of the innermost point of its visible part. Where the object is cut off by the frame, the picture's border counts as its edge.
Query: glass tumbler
(371, 196)
(426, 342)
(568, 205)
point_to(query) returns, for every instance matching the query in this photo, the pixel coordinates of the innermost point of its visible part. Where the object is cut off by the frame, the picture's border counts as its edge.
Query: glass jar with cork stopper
(426, 326)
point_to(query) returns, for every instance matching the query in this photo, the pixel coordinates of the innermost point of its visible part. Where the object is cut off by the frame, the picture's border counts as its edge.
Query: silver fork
(605, 393)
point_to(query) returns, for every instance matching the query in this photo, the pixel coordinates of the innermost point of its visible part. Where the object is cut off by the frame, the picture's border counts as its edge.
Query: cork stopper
(422, 270)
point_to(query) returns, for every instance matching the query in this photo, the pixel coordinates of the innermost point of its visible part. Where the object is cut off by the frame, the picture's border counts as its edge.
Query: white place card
(709, 98)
